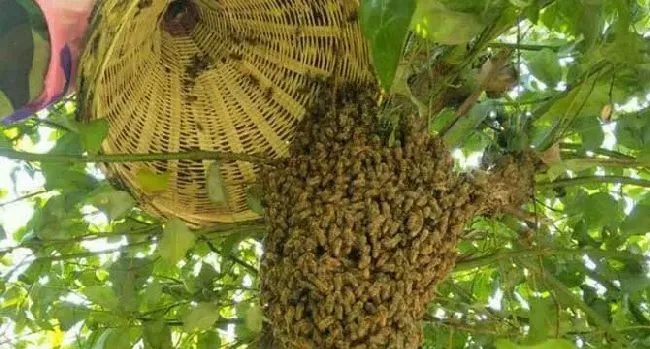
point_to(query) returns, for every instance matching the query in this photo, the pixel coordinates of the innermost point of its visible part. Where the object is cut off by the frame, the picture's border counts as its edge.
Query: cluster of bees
(360, 232)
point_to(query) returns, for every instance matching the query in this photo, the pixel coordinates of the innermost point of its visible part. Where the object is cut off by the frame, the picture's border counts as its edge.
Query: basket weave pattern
(219, 75)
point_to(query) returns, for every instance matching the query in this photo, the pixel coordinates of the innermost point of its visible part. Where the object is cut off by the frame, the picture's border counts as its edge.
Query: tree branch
(599, 151)
(525, 47)
(113, 158)
(614, 162)
(593, 180)
(477, 262)
(568, 297)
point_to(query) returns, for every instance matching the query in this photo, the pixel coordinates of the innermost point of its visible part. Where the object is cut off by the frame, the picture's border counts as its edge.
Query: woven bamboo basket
(216, 75)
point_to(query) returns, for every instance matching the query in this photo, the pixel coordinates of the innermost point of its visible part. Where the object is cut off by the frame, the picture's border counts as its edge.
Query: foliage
(83, 267)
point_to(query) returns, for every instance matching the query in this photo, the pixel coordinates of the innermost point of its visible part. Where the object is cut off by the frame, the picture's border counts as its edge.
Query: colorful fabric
(26, 86)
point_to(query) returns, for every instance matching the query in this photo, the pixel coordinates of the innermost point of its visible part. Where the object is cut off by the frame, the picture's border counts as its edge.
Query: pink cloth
(67, 22)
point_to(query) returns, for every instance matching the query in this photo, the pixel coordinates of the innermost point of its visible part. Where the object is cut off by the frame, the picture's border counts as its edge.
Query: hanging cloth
(40, 45)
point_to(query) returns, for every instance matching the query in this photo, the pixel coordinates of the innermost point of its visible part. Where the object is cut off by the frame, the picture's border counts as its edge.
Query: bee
(427, 212)
(336, 246)
(328, 306)
(392, 242)
(427, 250)
(338, 311)
(334, 232)
(408, 204)
(191, 99)
(415, 223)
(298, 31)
(409, 287)
(289, 313)
(353, 328)
(268, 92)
(364, 327)
(382, 260)
(252, 79)
(236, 56)
(413, 258)
(330, 263)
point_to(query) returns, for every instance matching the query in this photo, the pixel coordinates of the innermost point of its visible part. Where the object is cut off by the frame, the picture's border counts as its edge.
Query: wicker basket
(220, 75)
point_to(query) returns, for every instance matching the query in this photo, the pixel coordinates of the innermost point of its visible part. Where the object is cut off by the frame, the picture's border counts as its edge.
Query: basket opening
(180, 18)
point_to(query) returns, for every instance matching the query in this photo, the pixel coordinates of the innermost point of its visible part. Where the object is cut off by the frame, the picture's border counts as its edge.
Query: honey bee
(268, 92)
(382, 260)
(338, 311)
(336, 245)
(364, 327)
(415, 223)
(392, 242)
(328, 306)
(289, 315)
(330, 263)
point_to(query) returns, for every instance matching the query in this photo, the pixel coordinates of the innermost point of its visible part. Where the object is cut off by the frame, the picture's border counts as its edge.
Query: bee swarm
(359, 232)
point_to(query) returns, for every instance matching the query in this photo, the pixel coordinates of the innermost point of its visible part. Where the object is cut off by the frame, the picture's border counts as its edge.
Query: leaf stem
(593, 180)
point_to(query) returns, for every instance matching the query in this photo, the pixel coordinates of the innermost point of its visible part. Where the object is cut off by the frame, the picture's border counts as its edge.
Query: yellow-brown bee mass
(359, 232)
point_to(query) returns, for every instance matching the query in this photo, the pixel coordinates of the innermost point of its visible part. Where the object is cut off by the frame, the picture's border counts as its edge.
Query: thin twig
(230, 256)
(24, 197)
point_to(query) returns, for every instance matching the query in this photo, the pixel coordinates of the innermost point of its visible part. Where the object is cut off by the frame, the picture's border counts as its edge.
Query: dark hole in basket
(180, 18)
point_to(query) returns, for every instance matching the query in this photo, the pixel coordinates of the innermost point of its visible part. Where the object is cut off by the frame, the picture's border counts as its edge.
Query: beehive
(216, 75)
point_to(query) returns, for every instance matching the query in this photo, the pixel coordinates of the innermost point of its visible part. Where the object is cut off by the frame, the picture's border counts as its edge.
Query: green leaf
(546, 67)
(113, 338)
(465, 126)
(253, 319)
(153, 294)
(102, 296)
(153, 182)
(206, 275)
(3, 193)
(385, 24)
(541, 317)
(638, 221)
(176, 240)
(590, 130)
(599, 209)
(69, 314)
(209, 340)
(217, 191)
(128, 276)
(548, 344)
(433, 21)
(254, 196)
(201, 318)
(92, 135)
(633, 130)
(157, 335)
(114, 204)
